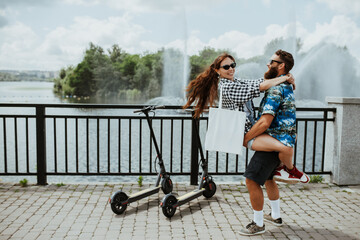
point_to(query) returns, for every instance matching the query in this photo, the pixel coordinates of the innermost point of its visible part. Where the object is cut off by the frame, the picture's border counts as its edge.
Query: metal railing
(103, 140)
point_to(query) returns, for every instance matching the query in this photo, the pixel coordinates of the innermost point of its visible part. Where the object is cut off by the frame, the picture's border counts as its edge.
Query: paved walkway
(312, 211)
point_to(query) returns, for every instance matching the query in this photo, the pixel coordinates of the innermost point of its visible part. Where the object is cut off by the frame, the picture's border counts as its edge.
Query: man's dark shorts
(262, 166)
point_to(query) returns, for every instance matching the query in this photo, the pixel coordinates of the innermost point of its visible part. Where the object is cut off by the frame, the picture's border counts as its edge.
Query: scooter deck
(144, 193)
(190, 196)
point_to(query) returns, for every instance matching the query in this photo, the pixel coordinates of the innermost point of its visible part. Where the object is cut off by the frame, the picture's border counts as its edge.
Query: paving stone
(319, 211)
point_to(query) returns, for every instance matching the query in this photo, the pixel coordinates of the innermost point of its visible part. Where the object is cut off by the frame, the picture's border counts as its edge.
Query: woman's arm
(268, 83)
(240, 91)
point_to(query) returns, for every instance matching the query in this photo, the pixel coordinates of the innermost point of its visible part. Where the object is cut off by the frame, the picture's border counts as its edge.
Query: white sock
(259, 218)
(275, 208)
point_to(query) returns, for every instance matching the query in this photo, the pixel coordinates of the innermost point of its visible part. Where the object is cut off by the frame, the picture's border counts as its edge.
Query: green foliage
(140, 180)
(60, 184)
(23, 182)
(205, 58)
(316, 179)
(115, 73)
(62, 74)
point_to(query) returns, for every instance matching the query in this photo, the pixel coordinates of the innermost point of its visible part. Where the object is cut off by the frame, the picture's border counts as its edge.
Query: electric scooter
(119, 200)
(206, 187)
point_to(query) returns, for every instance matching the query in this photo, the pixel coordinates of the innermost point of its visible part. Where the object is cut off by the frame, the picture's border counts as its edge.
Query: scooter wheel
(166, 185)
(167, 205)
(116, 202)
(210, 189)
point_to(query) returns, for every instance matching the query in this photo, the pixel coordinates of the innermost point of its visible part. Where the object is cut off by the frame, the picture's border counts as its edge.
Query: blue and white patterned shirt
(279, 101)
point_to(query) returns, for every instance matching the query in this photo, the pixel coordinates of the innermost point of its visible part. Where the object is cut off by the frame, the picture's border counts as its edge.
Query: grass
(140, 180)
(23, 182)
(60, 184)
(316, 179)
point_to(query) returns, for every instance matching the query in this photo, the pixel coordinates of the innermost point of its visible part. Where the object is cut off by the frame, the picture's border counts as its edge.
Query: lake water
(27, 92)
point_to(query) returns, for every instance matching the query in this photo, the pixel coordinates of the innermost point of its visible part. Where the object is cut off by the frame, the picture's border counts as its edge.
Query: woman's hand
(245, 143)
(291, 80)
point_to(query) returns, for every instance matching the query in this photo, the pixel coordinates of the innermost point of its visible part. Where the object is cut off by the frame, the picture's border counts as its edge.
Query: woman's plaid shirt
(236, 93)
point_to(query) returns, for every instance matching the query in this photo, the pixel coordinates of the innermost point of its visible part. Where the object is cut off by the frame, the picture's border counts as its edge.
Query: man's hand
(259, 127)
(291, 80)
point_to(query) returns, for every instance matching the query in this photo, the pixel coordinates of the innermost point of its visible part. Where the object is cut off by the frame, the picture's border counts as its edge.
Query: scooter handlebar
(149, 108)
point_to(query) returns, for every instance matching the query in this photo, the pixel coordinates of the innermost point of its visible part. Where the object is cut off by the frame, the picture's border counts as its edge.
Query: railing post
(40, 145)
(194, 153)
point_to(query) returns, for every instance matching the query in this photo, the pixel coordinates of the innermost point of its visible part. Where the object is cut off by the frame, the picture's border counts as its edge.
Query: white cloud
(65, 45)
(343, 6)
(341, 31)
(266, 2)
(244, 45)
(141, 6)
(17, 44)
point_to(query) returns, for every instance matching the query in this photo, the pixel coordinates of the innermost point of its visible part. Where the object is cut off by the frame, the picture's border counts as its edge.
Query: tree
(62, 74)
(82, 80)
(116, 54)
(141, 77)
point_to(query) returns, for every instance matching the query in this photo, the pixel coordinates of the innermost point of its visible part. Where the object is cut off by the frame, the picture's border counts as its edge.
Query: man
(277, 118)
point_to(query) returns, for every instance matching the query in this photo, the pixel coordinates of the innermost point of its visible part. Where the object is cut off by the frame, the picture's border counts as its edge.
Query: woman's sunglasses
(227, 66)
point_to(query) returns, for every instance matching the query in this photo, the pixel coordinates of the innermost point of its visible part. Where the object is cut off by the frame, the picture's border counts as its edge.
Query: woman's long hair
(204, 89)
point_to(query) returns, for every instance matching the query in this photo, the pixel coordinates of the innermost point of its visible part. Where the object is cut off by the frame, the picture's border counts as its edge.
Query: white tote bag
(225, 131)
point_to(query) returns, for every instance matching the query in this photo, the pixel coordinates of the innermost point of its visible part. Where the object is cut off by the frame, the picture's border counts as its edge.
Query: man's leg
(260, 168)
(274, 197)
(272, 190)
(256, 200)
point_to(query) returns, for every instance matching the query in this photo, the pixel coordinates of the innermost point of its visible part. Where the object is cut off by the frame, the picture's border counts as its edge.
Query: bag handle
(220, 100)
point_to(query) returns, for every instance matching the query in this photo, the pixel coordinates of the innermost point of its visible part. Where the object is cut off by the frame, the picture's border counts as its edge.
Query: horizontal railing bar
(111, 174)
(138, 173)
(18, 174)
(117, 117)
(316, 119)
(17, 116)
(124, 106)
(137, 117)
(76, 105)
(241, 173)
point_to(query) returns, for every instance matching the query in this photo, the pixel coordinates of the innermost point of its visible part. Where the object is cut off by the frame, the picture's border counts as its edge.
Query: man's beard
(271, 73)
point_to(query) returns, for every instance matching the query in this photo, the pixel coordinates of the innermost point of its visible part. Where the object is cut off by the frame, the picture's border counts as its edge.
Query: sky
(50, 35)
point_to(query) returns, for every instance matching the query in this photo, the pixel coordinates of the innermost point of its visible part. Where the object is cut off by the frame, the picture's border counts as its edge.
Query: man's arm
(259, 127)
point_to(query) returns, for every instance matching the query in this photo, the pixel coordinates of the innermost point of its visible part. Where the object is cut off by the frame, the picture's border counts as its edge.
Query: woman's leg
(266, 143)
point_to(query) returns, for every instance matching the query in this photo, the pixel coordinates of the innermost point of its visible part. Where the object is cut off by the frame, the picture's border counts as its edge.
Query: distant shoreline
(28, 76)
(22, 80)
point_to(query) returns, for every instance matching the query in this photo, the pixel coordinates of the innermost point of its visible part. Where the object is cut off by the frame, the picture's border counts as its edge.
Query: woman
(236, 95)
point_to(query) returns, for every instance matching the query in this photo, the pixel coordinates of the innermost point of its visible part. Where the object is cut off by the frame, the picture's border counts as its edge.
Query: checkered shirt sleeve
(236, 93)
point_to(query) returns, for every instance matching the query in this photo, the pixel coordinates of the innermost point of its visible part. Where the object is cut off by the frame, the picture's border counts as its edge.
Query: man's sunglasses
(272, 61)
(227, 66)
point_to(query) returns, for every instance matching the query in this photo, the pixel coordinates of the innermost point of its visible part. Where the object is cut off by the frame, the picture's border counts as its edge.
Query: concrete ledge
(342, 100)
